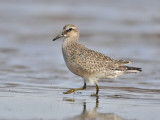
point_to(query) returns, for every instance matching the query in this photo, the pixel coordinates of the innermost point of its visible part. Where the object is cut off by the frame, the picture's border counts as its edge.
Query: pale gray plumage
(87, 63)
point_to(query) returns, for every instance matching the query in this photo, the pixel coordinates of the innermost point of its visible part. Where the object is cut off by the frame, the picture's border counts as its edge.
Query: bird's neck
(70, 41)
(69, 46)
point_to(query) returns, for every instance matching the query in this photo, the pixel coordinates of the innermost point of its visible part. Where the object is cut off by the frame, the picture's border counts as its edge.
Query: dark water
(33, 75)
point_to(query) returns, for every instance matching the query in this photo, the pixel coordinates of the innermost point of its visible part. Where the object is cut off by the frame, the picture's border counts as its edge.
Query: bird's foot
(73, 90)
(69, 91)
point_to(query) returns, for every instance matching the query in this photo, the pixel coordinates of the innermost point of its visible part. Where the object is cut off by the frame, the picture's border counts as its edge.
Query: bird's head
(70, 31)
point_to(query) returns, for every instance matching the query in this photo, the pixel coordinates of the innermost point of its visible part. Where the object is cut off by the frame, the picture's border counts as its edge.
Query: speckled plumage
(87, 63)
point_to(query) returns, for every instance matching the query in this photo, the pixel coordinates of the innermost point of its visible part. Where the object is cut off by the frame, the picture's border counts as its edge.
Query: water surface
(33, 75)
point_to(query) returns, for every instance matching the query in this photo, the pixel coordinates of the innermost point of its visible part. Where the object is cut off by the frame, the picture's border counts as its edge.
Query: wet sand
(33, 75)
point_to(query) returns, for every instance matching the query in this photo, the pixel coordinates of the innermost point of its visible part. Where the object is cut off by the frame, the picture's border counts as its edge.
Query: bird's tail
(133, 69)
(128, 69)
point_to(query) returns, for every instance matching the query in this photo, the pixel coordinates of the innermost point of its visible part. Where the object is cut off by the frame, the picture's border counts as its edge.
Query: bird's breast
(69, 54)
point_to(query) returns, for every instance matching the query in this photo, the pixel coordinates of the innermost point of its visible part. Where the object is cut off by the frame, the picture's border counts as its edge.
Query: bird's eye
(70, 29)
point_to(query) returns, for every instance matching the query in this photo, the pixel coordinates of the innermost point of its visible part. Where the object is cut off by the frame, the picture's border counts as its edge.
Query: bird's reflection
(92, 114)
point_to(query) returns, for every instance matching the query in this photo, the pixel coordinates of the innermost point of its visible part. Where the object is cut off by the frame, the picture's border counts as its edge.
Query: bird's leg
(75, 89)
(97, 90)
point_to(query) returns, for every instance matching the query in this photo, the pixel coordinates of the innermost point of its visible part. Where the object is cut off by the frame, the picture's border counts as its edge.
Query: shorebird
(89, 64)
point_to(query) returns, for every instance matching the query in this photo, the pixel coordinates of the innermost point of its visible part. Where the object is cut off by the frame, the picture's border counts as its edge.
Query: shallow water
(33, 75)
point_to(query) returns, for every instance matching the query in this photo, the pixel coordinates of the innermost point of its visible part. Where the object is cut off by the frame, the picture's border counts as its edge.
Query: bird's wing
(93, 61)
(122, 62)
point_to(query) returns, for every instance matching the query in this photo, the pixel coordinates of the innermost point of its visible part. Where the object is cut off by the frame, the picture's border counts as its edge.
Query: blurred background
(33, 75)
